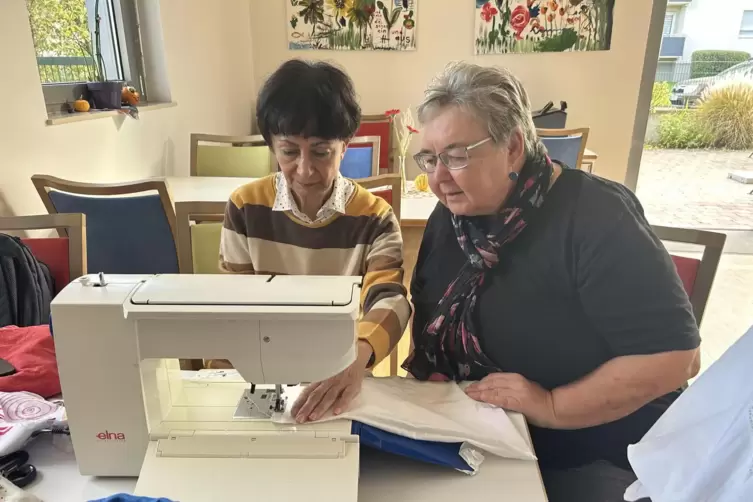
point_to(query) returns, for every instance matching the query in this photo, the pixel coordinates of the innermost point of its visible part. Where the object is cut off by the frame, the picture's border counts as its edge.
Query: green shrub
(681, 129)
(710, 63)
(660, 95)
(726, 114)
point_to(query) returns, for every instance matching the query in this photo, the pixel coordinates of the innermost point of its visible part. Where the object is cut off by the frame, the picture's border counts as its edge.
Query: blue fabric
(356, 163)
(124, 235)
(124, 497)
(564, 149)
(444, 454)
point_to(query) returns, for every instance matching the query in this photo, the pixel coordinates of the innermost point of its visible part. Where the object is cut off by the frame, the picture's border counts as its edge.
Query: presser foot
(261, 403)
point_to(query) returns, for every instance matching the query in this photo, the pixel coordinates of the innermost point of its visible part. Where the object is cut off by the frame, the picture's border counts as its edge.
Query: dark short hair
(309, 99)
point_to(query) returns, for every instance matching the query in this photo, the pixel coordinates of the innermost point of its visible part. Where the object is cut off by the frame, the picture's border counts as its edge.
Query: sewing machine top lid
(247, 290)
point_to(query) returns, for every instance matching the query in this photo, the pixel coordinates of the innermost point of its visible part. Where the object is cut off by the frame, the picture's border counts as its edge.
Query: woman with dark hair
(308, 219)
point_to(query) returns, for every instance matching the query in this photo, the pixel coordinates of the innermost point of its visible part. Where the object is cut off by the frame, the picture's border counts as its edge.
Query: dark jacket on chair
(26, 286)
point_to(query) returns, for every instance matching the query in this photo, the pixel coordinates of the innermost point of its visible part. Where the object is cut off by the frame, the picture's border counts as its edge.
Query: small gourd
(130, 96)
(422, 182)
(81, 105)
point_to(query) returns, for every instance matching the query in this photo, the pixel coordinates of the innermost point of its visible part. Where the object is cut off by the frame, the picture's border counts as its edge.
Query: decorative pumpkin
(131, 96)
(422, 182)
(81, 105)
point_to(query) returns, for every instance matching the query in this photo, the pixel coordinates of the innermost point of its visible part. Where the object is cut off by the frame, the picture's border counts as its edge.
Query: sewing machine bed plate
(245, 290)
(203, 479)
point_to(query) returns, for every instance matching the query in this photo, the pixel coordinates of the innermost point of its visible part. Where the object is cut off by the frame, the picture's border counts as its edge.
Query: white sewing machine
(204, 436)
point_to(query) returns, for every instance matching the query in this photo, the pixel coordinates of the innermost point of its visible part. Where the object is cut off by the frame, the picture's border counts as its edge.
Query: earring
(513, 176)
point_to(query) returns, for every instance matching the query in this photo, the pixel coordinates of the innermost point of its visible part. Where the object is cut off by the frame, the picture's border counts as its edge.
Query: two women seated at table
(544, 285)
(309, 220)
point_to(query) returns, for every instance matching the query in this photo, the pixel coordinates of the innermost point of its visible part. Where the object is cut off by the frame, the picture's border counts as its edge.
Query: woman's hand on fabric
(335, 393)
(514, 392)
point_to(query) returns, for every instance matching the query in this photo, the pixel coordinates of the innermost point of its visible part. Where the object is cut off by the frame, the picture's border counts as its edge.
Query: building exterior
(692, 25)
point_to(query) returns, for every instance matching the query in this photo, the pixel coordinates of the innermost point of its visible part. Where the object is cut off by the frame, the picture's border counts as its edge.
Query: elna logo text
(111, 436)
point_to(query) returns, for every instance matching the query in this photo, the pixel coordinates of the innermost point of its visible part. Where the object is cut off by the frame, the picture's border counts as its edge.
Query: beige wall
(209, 66)
(601, 88)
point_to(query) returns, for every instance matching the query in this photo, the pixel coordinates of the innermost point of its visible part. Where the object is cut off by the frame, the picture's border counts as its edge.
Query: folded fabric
(23, 413)
(702, 447)
(124, 497)
(432, 412)
(31, 350)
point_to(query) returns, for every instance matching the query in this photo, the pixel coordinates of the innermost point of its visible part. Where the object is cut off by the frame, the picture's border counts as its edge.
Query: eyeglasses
(453, 159)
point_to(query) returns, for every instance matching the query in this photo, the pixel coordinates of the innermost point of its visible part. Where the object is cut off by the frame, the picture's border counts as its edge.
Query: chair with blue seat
(565, 145)
(361, 159)
(130, 226)
(231, 156)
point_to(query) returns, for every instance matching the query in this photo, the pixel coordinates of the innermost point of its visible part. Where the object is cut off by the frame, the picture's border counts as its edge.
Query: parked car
(688, 92)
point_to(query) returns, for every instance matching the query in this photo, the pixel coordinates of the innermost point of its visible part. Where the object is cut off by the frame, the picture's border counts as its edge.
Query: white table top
(383, 478)
(216, 189)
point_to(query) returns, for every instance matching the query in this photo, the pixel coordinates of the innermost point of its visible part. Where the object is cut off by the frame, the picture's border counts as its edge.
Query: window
(746, 26)
(669, 22)
(666, 71)
(65, 42)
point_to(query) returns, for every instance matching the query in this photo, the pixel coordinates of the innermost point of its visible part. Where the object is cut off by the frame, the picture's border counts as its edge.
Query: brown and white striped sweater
(364, 241)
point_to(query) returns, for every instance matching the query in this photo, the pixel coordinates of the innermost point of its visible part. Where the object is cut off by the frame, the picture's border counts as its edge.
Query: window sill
(68, 118)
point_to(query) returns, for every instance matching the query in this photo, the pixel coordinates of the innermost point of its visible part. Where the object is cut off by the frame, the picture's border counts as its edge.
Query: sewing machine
(199, 436)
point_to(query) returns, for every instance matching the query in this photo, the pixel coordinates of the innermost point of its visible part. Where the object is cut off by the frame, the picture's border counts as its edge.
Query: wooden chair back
(357, 166)
(380, 125)
(567, 143)
(697, 275)
(231, 156)
(190, 215)
(389, 187)
(65, 256)
(130, 230)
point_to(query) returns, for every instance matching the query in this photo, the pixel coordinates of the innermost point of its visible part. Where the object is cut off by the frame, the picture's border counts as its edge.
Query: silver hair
(492, 94)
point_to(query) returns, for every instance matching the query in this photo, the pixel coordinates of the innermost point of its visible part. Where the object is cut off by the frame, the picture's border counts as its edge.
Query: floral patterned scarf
(448, 348)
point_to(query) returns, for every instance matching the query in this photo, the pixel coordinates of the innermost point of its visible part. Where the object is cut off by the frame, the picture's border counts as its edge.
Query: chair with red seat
(697, 275)
(64, 256)
(379, 125)
(386, 186)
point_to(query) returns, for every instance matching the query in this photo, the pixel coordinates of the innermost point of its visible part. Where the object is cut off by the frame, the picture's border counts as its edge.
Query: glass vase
(401, 167)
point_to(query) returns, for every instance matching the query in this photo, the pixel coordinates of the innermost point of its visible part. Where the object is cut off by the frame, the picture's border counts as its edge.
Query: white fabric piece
(701, 449)
(23, 413)
(431, 411)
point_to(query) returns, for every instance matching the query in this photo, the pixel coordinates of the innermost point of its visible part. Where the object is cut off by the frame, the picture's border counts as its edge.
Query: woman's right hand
(335, 393)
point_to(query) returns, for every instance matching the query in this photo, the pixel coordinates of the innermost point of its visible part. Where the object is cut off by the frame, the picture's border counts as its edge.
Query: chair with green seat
(231, 156)
(198, 229)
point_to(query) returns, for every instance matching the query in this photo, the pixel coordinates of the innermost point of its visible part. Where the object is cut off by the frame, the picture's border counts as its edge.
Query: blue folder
(432, 452)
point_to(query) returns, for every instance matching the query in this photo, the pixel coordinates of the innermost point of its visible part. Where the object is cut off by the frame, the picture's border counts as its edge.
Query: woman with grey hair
(545, 286)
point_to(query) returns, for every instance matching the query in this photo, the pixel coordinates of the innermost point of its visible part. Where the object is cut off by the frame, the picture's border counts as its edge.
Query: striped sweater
(364, 241)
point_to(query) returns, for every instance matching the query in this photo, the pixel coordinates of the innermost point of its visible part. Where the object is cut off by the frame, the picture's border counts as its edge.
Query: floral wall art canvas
(504, 26)
(352, 24)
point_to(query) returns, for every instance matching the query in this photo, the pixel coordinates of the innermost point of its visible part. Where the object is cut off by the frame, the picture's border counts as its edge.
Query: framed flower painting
(505, 26)
(352, 24)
